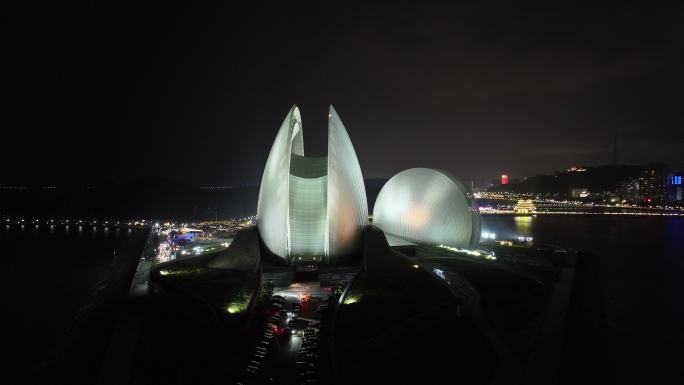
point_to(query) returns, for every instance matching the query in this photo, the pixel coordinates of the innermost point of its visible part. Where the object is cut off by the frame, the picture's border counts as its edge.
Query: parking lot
(288, 349)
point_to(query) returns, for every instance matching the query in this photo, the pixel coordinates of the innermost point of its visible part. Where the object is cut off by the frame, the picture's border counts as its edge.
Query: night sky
(110, 91)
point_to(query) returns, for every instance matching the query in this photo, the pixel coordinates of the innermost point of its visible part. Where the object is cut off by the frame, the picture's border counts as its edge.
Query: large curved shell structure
(273, 204)
(347, 205)
(430, 206)
(311, 208)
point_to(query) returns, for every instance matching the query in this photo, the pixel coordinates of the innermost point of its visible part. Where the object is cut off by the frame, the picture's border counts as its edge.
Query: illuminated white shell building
(311, 209)
(423, 205)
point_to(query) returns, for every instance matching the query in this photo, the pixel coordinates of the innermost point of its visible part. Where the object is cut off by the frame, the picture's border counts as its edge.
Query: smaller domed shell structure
(430, 206)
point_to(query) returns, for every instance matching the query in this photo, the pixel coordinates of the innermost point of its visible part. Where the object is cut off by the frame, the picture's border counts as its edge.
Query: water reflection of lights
(523, 226)
(519, 218)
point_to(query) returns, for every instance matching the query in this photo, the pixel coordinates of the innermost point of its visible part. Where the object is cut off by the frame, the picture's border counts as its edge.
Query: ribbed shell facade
(428, 206)
(273, 204)
(347, 205)
(311, 208)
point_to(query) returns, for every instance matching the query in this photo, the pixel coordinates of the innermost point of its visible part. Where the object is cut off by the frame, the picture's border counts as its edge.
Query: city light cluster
(475, 253)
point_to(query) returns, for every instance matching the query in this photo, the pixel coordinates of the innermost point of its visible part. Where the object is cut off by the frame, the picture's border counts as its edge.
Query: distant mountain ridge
(595, 179)
(146, 197)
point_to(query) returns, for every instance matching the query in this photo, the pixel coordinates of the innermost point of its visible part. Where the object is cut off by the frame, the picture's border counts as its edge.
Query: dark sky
(109, 91)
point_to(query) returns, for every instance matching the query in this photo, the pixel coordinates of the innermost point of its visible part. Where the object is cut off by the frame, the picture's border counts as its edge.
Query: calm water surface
(641, 271)
(49, 273)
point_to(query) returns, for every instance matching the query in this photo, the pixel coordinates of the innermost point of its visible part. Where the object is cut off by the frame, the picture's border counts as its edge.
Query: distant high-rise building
(504, 179)
(629, 190)
(675, 186)
(652, 183)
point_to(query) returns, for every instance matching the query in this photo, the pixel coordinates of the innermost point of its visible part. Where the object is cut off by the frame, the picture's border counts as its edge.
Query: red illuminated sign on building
(504, 179)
